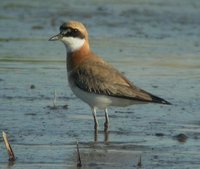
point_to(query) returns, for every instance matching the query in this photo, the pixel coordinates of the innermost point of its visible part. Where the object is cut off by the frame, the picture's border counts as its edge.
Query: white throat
(72, 44)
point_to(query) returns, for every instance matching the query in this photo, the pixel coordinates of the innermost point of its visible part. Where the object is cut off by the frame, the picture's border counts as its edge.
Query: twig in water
(8, 147)
(139, 164)
(79, 164)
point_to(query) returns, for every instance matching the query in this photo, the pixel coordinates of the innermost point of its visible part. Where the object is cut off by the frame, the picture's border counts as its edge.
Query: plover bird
(94, 80)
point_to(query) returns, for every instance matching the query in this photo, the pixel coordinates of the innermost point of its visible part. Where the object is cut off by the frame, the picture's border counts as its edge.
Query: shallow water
(155, 43)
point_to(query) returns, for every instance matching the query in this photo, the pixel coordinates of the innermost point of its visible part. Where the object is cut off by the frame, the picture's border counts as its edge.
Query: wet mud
(154, 43)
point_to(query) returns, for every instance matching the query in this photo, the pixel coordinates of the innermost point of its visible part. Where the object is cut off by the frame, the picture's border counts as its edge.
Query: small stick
(8, 147)
(79, 164)
(139, 164)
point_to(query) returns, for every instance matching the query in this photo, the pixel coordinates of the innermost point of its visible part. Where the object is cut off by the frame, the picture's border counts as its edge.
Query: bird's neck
(76, 57)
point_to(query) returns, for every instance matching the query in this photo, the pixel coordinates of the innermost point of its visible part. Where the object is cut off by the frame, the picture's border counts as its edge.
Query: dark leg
(106, 124)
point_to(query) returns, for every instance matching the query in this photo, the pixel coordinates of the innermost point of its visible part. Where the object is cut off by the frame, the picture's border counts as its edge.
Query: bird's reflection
(106, 136)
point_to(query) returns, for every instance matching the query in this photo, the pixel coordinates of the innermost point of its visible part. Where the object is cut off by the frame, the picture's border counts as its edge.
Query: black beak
(56, 37)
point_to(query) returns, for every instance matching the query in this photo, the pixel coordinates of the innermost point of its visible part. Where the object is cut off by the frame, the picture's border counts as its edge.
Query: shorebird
(94, 80)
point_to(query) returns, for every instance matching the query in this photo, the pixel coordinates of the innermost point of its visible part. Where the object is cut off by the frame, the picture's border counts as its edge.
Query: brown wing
(101, 78)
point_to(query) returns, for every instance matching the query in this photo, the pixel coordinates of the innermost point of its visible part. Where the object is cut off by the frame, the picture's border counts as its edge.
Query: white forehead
(72, 43)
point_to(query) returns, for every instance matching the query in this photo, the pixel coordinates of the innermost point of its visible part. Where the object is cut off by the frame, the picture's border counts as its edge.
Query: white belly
(101, 101)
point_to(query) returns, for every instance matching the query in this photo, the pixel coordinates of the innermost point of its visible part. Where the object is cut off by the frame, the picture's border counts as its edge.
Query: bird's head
(73, 34)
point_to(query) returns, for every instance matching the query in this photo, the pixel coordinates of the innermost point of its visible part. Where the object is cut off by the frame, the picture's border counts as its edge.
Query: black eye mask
(70, 32)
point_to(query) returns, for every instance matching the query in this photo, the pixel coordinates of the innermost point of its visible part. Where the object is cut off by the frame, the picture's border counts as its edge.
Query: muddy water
(155, 43)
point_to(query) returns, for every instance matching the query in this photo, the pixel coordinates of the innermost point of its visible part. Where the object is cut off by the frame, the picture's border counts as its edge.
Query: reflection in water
(106, 136)
(98, 155)
(10, 164)
(95, 135)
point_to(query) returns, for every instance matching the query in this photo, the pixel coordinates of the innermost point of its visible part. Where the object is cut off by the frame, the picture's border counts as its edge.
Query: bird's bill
(56, 37)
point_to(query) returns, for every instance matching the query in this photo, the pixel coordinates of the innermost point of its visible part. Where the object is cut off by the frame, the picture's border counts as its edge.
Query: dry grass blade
(8, 147)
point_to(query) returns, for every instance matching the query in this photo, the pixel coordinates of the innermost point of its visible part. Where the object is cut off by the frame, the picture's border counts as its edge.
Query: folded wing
(101, 78)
